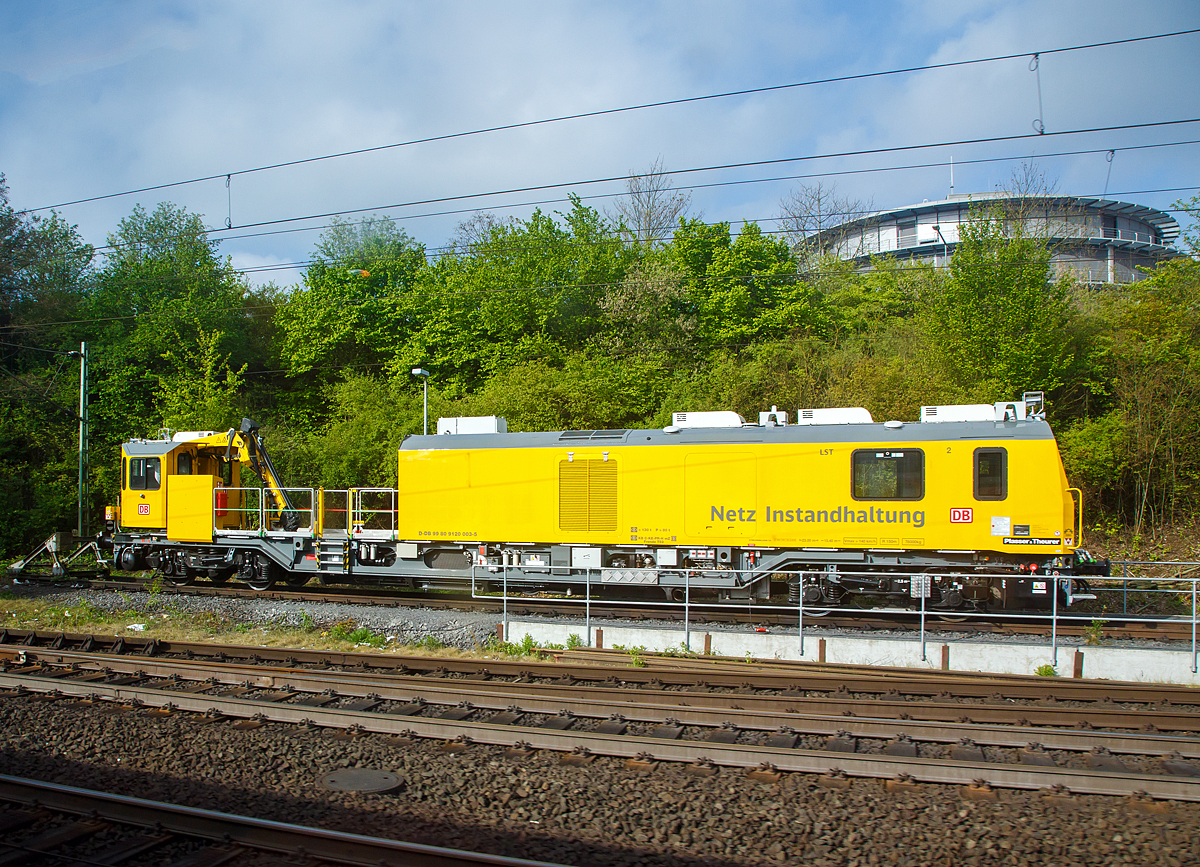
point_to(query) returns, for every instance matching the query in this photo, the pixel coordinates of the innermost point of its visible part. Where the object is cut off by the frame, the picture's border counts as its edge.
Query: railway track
(983, 732)
(46, 822)
(1123, 628)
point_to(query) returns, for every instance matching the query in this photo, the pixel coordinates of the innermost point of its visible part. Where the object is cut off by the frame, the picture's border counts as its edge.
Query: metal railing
(333, 507)
(373, 513)
(1183, 589)
(249, 510)
(260, 515)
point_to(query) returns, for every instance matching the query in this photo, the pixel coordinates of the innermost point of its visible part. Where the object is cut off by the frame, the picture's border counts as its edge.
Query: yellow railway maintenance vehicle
(967, 508)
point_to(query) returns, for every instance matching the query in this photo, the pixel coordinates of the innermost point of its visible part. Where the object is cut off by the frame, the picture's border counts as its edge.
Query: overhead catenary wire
(628, 108)
(726, 166)
(718, 184)
(433, 292)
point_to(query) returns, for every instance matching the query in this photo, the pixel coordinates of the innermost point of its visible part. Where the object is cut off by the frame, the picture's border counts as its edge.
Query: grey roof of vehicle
(874, 435)
(148, 448)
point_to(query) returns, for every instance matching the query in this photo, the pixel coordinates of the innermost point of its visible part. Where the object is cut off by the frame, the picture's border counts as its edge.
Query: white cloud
(96, 98)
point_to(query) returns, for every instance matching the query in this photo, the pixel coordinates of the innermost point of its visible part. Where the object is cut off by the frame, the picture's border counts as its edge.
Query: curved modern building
(1096, 240)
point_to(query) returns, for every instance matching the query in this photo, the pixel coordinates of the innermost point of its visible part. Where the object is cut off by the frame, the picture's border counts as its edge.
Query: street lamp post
(424, 374)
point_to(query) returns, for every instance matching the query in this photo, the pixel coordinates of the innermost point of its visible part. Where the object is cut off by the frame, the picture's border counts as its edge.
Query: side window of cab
(991, 474)
(145, 474)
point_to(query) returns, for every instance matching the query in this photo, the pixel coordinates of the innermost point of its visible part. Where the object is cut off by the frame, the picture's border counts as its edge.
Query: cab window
(137, 474)
(183, 464)
(991, 474)
(145, 474)
(888, 475)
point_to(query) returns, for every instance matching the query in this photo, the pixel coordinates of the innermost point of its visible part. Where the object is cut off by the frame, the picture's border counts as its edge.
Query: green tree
(998, 322)
(199, 391)
(346, 313)
(44, 268)
(163, 286)
(744, 288)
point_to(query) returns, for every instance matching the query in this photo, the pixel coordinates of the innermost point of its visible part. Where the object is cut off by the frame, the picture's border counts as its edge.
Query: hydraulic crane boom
(250, 449)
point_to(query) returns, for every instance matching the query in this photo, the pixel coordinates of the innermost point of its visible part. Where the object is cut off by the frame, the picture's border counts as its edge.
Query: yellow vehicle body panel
(142, 509)
(738, 494)
(182, 505)
(189, 508)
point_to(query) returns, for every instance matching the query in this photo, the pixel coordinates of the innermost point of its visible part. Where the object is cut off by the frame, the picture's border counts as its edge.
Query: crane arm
(251, 451)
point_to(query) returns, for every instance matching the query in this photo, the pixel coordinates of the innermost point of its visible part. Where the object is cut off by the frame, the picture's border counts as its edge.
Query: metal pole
(1193, 626)
(507, 637)
(425, 414)
(687, 601)
(587, 607)
(800, 623)
(1124, 588)
(922, 580)
(1054, 618)
(81, 526)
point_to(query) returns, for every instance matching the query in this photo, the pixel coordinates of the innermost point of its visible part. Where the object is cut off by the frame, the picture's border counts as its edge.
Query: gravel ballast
(600, 813)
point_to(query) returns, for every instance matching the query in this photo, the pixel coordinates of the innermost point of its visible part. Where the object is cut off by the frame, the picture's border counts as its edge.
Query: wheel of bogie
(220, 577)
(297, 579)
(180, 579)
(265, 577)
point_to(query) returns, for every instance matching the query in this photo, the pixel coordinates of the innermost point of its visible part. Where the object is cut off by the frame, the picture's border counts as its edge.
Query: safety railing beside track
(1182, 591)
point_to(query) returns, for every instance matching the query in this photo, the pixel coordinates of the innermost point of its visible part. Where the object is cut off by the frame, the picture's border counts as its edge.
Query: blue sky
(99, 97)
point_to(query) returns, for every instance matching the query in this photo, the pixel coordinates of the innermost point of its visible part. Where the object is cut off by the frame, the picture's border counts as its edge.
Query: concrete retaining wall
(1148, 665)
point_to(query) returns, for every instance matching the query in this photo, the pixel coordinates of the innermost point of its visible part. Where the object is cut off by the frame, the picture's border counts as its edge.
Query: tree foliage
(572, 320)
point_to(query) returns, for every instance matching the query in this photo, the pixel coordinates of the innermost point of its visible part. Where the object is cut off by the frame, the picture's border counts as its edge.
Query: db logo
(962, 516)
(144, 509)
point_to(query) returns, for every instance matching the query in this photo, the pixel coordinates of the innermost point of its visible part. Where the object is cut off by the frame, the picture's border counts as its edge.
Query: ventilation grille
(593, 434)
(587, 495)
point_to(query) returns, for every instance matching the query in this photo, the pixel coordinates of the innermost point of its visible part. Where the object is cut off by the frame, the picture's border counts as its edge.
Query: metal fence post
(800, 622)
(507, 637)
(1193, 626)
(687, 602)
(1124, 588)
(587, 606)
(922, 580)
(1054, 619)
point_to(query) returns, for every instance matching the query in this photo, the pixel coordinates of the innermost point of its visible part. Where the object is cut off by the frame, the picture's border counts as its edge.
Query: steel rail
(616, 698)
(743, 756)
(653, 708)
(336, 847)
(794, 676)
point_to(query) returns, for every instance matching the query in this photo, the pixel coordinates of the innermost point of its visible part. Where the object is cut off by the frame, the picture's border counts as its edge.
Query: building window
(888, 475)
(908, 233)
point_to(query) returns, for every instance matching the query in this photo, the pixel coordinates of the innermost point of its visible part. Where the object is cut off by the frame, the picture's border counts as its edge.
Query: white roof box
(184, 436)
(959, 412)
(721, 418)
(1001, 410)
(835, 415)
(472, 424)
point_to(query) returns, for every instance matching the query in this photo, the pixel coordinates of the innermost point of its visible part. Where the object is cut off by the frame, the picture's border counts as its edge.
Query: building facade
(1096, 240)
